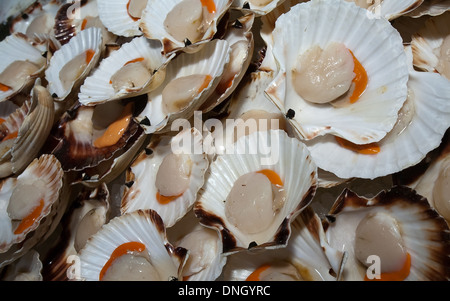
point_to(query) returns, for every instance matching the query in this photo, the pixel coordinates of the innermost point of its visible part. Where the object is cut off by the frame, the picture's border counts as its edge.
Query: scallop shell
(116, 18)
(89, 211)
(300, 182)
(210, 60)
(73, 138)
(154, 15)
(406, 145)
(26, 268)
(424, 232)
(430, 8)
(17, 47)
(145, 227)
(32, 123)
(308, 251)
(38, 19)
(260, 8)
(206, 261)
(318, 22)
(427, 178)
(240, 39)
(87, 40)
(46, 176)
(427, 42)
(248, 99)
(143, 172)
(69, 20)
(391, 9)
(97, 87)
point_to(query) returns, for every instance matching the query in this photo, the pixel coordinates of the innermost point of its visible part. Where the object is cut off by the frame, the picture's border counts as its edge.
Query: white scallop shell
(154, 15)
(210, 60)
(238, 35)
(142, 173)
(431, 101)
(88, 39)
(142, 226)
(307, 250)
(376, 44)
(426, 43)
(206, 261)
(43, 171)
(97, 88)
(17, 47)
(423, 231)
(114, 15)
(37, 12)
(277, 152)
(32, 122)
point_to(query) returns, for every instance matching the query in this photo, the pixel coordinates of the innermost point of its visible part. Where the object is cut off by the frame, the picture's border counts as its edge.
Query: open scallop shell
(206, 261)
(154, 16)
(117, 19)
(73, 139)
(32, 124)
(249, 102)
(209, 61)
(299, 178)
(143, 173)
(70, 19)
(424, 232)
(89, 211)
(427, 44)
(84, 49)
(308, 251)
(18, 48)
(141, 226)
(38, 19)
(406, 145)
(240, 39)
(44, 177)
(98, 88)
(376, 44)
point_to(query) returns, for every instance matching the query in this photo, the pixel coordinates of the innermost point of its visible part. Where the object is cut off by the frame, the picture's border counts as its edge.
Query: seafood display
(225, 140)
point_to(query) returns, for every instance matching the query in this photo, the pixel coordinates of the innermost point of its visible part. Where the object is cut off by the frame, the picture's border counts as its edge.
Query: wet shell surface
(20, 214)
(21, 64)
(318, 23)
(430, 8)
(26, 268)
(135, 69)
(72, 63)
(182, 25)
(190, 79)
(216, 209)
(422, 124)
(156, 256)
(420, 251)
(166, 177)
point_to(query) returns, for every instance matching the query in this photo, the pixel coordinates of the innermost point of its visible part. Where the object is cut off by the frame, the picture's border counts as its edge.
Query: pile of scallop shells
(309, 141)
